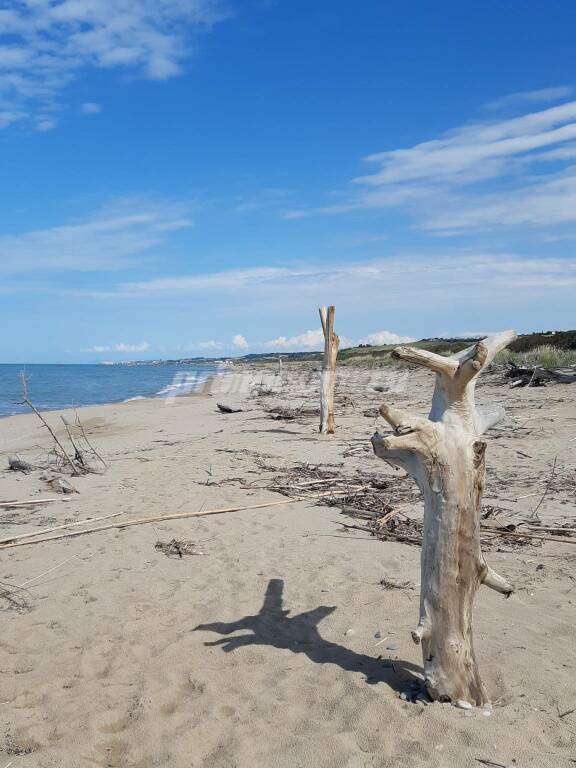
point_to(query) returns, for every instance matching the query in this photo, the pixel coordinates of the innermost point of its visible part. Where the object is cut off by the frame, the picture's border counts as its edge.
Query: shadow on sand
(272, 626)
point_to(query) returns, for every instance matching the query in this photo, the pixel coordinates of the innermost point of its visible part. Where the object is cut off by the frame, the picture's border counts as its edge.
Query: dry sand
(278, 646)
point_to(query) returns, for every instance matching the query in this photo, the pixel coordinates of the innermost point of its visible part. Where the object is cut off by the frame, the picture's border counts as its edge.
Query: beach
(277, 644)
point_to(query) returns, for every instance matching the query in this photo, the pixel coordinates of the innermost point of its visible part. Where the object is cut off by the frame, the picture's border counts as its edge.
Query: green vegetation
(545, 356)
(551, 349)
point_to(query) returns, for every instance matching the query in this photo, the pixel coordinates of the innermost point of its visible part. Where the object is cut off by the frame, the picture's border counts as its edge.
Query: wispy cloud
(454, 276)
(539, 96)
(46, 43)
(90, 108)
(474, 152)
(111, 238)
(500, 173)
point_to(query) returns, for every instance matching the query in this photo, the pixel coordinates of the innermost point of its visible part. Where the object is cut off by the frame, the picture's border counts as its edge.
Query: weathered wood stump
(328, 375)
(445, 456)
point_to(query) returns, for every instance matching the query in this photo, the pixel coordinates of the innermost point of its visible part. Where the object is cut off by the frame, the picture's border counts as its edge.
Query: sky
(195, 177)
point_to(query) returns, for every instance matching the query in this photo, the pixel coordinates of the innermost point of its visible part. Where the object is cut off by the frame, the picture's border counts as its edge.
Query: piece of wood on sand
(445, 455)
(328, 375)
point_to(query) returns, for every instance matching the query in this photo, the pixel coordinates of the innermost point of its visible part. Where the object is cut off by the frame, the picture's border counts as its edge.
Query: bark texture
(445, 456)
(328, 375)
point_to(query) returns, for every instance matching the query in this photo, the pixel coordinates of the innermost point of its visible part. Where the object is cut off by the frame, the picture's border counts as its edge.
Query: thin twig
(537, 507)
(158, 518)
(30, 502)
(27, 402)
(62, 527)
(45, 573)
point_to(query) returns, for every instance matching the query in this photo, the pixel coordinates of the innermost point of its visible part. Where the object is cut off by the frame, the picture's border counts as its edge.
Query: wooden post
(445, 455)
(328, 376)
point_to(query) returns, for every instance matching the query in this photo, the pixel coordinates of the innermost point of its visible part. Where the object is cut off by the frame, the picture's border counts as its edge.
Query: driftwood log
(445, 455)
(536, 376)
(328, 375)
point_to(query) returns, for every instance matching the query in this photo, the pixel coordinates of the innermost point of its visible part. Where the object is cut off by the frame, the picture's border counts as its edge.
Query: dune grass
(545, 356)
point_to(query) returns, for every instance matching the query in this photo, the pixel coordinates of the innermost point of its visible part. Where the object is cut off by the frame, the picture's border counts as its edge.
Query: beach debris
(85, 455)
(282, 413)
(445, 454)
(28, 502)
(60, 485)
(414, 692)
(259, 390)
(534, 514)
(328, 375)
(536, 376)
(178, 548)
(13, 597)
(84, 458)
(388, 583)
(16, 464)
(382, 503)
(59, 447)
(228, 408)
(33, 534)
(17, 541)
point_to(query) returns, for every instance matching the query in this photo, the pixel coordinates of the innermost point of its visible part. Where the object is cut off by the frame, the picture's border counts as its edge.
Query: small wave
(138, 397)
(181, 387)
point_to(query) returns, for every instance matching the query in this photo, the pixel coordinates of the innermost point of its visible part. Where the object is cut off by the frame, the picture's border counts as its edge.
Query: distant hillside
(366, 354)
(378, 355)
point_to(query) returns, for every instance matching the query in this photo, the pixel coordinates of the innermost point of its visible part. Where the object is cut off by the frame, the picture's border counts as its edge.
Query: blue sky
(184, 177)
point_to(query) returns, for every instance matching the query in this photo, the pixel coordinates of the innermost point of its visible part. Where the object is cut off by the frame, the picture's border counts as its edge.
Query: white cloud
(121, 347)
(380, 338)
(90, 108)
(304, 342)
(500, 173)
(239, 341)
(48, 42)
(109, 239)
(462, 154)
(309, 340)
(413, 274)
(531, 97)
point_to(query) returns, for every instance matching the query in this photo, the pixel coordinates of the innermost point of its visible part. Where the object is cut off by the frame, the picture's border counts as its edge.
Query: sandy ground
(278, 646)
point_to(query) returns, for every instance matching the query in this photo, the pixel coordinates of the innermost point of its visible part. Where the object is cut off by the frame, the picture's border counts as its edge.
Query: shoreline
(161, 395)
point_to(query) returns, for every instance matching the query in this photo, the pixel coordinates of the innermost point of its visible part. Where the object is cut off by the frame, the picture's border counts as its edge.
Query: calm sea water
(65, 386)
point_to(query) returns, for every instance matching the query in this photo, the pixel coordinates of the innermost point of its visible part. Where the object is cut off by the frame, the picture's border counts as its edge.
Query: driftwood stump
(445, 456)
(328, 375)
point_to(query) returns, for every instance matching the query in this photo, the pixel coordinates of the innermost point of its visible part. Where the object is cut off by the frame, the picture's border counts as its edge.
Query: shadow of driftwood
(299, 634)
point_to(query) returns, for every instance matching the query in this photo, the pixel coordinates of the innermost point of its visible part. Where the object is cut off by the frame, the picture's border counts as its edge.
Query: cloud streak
(456, 276)
(522, 98)
(485, 175)
(46, 43)
(117, 236)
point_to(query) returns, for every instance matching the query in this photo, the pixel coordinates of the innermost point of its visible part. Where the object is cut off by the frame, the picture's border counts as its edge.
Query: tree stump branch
(446, 457)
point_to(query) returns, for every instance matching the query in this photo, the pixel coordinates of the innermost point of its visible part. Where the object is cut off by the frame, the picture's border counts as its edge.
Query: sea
(53, 387)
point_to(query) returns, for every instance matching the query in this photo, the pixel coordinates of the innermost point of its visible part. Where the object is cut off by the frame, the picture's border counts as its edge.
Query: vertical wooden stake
(328, 376)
